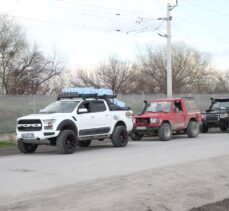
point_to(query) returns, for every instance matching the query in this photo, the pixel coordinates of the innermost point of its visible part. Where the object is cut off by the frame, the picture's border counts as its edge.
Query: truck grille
(212, 117)
(142, 120)
(29, 125)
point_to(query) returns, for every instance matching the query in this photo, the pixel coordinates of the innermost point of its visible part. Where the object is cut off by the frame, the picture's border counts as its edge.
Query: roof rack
(106, 96)
(71, 95)
(226, 99)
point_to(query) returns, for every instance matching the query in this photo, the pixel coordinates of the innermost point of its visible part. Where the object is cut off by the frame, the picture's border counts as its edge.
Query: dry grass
(4, 144)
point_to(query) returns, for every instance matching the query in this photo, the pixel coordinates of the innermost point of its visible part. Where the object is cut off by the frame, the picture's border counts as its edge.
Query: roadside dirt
(5, 151)
(217, 206)
(172, 188)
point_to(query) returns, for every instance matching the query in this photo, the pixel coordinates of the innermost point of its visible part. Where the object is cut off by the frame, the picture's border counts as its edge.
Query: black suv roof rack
(226, 99)
(71, 95)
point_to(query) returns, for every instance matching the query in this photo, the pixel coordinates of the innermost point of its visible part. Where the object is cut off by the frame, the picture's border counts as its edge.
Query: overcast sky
(85, 32)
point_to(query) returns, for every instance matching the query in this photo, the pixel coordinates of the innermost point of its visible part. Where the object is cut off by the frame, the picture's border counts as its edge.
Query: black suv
(216, 116)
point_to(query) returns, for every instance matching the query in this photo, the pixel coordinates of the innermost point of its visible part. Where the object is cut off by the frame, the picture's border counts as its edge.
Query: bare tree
(84, 78)
(114, 74)
(24, 69)
(221, 82)
(189, 67)
(192, 73)
(12, 43)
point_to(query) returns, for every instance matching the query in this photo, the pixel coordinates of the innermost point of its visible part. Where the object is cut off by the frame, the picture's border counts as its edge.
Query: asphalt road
(26, 180)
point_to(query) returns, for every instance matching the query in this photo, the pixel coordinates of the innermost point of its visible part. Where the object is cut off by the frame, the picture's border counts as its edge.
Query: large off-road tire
(203, 128)
(193, 129)
(165, 132)
(119, 136)
(135, 136)
(66, 142)
(26, 148)
(223, 127)
(85, 143)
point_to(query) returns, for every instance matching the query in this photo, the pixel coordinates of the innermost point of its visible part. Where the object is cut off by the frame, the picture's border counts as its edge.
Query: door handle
(107, 115)
(92, 116)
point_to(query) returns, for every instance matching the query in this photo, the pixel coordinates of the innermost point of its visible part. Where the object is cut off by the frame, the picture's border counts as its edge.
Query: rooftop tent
(119, 103)
(88, 90)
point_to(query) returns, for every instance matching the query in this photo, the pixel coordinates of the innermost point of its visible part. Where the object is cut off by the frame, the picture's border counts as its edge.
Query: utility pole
(169, 62)
(170, 7)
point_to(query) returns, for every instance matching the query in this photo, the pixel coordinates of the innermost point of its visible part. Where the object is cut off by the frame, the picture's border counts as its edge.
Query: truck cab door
(84, 118)
(179, 116)
(101, 116)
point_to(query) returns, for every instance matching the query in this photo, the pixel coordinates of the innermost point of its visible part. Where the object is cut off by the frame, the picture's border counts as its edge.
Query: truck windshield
(158, 107)
(60, 107)
(220, 105)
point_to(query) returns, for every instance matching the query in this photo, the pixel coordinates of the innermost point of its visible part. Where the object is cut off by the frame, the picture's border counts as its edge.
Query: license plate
(141, 128)
(27, 135)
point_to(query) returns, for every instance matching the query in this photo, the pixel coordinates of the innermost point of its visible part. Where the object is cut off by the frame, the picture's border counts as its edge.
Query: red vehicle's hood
(160, 115)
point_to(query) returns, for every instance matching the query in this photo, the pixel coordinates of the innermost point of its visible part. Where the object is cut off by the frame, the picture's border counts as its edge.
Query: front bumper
(150, 130)
(216, 123)
(36, 137)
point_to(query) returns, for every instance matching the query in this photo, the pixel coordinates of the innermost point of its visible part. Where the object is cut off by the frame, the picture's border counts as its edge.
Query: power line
(144, 21)
(65, 24)
(95, 13)
(145, 26)
(198, 30)
(205, 8)
(202, 25)
(107, 8)
(92, 12)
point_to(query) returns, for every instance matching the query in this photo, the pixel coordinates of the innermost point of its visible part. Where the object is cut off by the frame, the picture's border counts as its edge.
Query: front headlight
(154, 120)
(223, 115)
(49, 121)
(49, 124)
(203, 115)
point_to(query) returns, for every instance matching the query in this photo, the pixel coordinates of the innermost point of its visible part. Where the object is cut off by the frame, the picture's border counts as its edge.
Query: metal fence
(12, 107)
(135, 101)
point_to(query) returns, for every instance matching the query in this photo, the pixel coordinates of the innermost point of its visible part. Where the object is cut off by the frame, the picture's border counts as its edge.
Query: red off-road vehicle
(167, 116)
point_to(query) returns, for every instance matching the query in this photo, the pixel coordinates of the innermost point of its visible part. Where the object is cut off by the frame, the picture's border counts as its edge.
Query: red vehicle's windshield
(158, 107)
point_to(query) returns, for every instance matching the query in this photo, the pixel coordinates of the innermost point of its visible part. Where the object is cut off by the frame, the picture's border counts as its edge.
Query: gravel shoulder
(174, 187)
(217, 206)
(13, 150)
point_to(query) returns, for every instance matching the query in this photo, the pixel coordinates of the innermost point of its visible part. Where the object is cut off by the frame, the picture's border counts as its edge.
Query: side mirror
(82, 110)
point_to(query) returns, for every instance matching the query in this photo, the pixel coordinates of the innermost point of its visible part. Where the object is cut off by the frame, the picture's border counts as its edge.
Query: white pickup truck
(75, 120)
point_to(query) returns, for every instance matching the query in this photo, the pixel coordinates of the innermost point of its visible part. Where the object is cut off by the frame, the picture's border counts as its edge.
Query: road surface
(145, 175)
